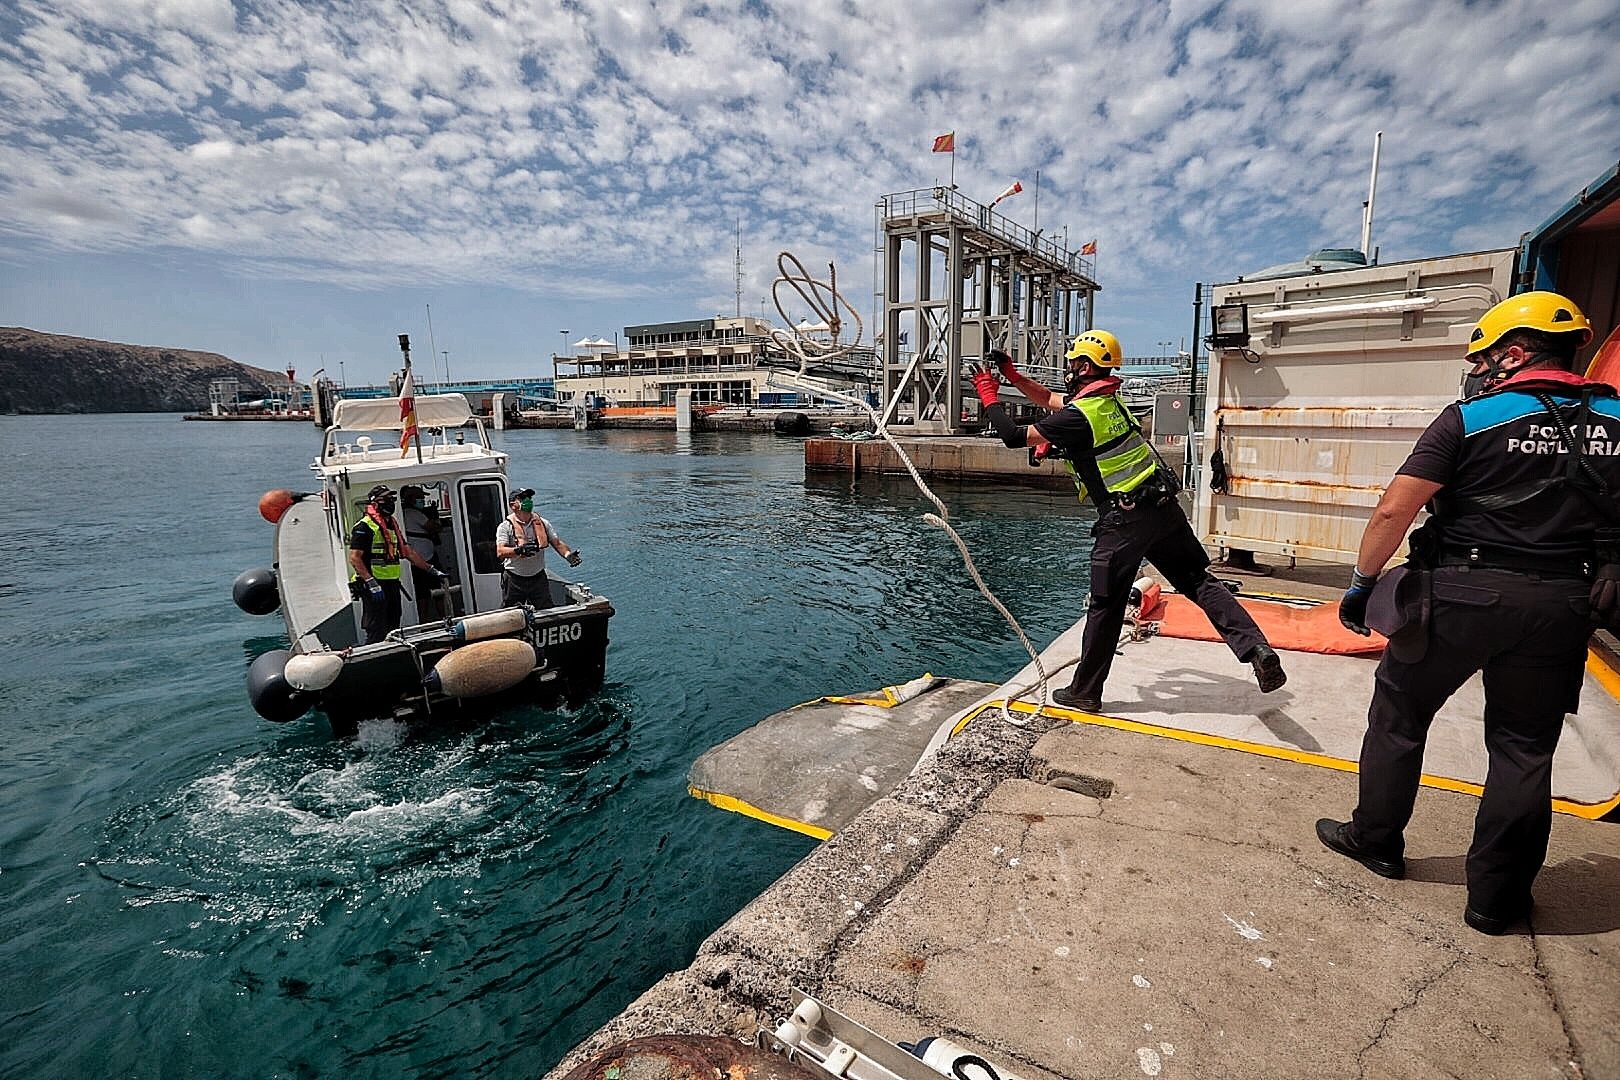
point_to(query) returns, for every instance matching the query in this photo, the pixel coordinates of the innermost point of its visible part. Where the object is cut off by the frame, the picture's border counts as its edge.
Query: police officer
(1519, 478)
(1135, 496)
(375, 548)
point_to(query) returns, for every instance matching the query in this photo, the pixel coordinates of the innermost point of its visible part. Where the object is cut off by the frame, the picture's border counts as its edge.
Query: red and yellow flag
(1089, 248)
(946, 143)
(407, 413)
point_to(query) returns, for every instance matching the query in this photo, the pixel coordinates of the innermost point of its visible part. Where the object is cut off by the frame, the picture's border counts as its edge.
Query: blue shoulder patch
(1494, 410)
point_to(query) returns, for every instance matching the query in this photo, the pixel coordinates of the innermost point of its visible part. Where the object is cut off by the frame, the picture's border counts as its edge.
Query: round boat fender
(482, 668)
(273, 504)
(256, 592)
(954, 1060)
(313, 671)
(269, 692)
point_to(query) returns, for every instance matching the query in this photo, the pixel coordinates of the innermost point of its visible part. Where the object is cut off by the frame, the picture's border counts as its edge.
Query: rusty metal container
(1340, 373)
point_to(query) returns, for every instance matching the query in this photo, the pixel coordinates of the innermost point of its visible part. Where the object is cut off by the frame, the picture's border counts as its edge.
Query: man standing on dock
(1521, 545)
(1139, 517)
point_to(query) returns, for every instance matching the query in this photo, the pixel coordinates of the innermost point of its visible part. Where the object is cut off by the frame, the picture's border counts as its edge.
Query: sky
(295, 183)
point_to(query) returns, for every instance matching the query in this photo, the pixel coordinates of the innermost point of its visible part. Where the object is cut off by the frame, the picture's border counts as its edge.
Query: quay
(1075, 896)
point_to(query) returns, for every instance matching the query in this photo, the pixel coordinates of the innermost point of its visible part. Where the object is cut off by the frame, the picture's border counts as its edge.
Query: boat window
(485, 509)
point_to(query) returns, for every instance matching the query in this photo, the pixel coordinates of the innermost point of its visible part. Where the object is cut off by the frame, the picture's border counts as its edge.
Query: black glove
(1353, 604)
(528, 550)
(572, 557)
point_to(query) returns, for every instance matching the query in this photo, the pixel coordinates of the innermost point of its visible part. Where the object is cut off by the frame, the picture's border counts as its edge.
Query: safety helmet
(1099, 347)
(1548, 312)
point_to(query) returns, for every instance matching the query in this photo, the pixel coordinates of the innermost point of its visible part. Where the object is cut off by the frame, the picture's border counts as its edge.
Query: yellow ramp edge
(747, 809)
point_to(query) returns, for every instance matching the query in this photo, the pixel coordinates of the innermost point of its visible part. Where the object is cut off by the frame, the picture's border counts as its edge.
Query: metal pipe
(1372, 192)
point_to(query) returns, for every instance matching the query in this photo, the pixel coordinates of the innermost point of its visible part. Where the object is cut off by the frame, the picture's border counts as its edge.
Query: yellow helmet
(1098, 346)
(1545, 311)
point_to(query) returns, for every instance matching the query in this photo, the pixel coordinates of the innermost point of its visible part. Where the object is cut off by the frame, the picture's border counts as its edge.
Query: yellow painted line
(1591, 811)
(1603, 671)
(747, 809)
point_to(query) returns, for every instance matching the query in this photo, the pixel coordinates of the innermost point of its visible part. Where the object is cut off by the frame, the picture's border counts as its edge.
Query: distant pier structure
(956, 279)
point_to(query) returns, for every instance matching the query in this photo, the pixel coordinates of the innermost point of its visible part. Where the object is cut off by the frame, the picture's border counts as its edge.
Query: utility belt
(1156, 490)
(1488, 558)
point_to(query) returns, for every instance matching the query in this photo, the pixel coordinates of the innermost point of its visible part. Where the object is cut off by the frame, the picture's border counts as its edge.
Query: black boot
(1070, 698)
(1268, 669)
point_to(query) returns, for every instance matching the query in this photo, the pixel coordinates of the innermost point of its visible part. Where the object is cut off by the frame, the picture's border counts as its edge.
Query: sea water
(187, 890)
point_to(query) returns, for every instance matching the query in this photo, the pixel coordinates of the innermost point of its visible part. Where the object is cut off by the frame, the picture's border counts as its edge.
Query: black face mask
(385, 505)
(1474, 385)
(1072, 379)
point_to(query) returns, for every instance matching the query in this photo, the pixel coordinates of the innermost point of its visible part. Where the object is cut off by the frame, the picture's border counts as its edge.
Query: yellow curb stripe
(1590, 811)
(747, 809)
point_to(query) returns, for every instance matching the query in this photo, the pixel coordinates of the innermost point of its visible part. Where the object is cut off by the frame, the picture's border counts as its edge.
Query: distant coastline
(58, 374)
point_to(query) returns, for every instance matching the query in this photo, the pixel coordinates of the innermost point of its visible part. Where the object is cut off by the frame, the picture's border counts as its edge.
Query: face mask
(1071, 379)
(1473, 385)
(385, 506)
(526, 505)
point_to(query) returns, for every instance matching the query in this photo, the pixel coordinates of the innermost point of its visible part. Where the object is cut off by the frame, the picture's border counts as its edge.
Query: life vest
(382, 567)
(530, 530)
(1123, 457)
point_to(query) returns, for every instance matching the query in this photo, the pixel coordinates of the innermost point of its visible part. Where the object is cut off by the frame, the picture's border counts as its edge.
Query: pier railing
(977, 215)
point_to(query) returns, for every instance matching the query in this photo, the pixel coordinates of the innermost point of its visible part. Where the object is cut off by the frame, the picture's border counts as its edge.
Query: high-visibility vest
(1124, 458)
(381, 568)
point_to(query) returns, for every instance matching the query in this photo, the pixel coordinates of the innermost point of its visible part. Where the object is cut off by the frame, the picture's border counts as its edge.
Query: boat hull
(386, 680)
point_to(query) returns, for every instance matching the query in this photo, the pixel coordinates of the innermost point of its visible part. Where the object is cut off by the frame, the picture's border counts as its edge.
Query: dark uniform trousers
(1528, 634)
(1162, 535)
(378, 617)
(517, 589)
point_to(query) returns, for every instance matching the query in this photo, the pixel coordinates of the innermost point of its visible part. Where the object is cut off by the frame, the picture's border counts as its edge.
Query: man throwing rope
(1139, 517)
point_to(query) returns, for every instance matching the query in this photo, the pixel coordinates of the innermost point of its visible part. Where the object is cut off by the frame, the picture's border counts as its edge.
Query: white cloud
(613, 143)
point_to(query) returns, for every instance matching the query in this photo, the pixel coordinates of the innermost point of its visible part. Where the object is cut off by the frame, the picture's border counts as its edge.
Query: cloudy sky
(295, 182)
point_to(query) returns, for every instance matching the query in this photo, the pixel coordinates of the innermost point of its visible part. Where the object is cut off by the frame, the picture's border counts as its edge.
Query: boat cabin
(452, 497)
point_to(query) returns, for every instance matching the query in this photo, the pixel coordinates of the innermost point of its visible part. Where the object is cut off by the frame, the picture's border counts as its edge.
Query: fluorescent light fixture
(1360, 309)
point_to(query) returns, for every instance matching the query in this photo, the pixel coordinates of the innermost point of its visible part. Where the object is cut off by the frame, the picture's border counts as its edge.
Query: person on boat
(1508, 575)
(375, 548)
(422, 531)
(1135, 495)
(521, 541)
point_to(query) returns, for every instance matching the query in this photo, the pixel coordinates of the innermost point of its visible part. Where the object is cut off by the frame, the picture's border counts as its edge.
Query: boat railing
(438, 446)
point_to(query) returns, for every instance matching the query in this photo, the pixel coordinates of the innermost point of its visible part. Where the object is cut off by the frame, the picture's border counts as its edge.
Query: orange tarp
(1293, 626)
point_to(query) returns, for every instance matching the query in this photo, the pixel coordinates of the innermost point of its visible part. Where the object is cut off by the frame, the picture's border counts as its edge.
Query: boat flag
(1089, 248)
(946, 143)
(407, 413)
(1012, 190)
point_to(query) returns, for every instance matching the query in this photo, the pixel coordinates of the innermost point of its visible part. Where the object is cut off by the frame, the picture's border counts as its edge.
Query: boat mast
(1367, 207)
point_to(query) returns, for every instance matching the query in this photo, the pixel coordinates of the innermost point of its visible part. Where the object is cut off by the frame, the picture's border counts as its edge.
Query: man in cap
(1518, 559)
(1138, 515)
(521, 541)
(375, 547)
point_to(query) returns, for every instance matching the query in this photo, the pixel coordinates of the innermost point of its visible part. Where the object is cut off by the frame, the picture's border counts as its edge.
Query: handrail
(983, 218)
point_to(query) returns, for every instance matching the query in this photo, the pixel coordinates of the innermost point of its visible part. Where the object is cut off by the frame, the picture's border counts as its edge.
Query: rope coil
(824, 299)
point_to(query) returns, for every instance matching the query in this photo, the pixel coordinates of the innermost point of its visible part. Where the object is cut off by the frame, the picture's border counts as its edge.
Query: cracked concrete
(1187, 924)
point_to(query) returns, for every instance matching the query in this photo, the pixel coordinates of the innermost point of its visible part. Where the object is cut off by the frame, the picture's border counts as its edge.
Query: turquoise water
(186, 890)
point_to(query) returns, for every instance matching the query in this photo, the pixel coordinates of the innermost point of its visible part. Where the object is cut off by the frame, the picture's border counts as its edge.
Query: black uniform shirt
(1496, 443)
(1070, 432)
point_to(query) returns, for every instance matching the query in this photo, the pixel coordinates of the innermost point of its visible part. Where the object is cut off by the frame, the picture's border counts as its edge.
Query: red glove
(988, 387)
(1004, 364)
(1040, 451)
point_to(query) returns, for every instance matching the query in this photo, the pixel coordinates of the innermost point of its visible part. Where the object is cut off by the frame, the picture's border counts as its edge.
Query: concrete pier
(1081, 900)
(942, 457)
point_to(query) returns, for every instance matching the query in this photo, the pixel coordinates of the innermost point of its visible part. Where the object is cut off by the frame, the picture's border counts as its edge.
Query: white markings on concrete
(868, 781)
(1167, 1050)
(1012, 862)
(1244, 928)
(1264, 961)
(1140, 981)
(1061, 951)
(888, 849)
(1148, 1058)
(813, 810)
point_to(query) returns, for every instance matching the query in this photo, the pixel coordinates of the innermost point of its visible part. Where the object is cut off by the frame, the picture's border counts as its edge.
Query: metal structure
(954, 279)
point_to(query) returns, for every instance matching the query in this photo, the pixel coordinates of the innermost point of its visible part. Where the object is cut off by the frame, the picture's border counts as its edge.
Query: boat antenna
(1367, 207)
(739, 267)
(433, 346)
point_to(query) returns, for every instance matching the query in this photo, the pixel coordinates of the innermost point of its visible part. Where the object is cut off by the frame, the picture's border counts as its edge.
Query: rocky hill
(53, 373)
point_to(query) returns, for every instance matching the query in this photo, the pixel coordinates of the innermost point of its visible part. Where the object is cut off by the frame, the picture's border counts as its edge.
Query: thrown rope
(824, 299)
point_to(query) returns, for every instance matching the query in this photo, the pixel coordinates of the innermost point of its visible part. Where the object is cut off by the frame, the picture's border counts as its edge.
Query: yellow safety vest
(381, 568)
(1123, 457)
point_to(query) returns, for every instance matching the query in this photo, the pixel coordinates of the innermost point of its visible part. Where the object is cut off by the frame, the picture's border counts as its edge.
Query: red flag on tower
(946, 143)
(1090, 248)
(1014, 189)
(407, 413)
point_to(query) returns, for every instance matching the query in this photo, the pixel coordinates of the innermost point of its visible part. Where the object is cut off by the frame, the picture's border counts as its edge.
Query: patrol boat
(458, 644)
